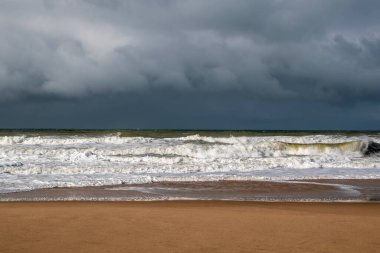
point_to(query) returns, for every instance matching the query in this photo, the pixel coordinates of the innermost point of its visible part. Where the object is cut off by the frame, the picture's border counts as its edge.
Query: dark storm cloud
(272, 49)
(190, 64)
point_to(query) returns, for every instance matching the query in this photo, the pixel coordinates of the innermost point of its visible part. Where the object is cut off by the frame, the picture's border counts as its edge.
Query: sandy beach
(189, 226)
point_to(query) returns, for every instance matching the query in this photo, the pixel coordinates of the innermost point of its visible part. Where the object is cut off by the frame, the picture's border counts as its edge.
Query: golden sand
(192, 226)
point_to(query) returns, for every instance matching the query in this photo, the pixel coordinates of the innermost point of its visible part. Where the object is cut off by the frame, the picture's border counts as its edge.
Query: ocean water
(32, 159)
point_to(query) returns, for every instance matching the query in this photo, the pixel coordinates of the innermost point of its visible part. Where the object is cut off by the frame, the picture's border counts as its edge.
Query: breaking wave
(364, 147)
(28, 162)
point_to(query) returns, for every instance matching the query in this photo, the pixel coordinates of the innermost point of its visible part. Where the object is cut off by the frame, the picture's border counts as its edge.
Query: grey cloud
(272, 49)
(341, 70)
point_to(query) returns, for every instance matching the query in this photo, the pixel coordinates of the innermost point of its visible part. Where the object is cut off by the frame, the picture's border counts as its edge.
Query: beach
(178, 191)
(189, 126)
(294, 216)
(189, 226)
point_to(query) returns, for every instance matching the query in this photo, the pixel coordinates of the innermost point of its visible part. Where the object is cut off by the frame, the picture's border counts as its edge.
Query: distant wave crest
(364, 147)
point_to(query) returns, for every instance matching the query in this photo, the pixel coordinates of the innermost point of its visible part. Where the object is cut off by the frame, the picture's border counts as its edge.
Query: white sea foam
(28, 162)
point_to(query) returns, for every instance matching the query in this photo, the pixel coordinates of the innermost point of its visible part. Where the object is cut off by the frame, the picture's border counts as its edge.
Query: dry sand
(189, 226)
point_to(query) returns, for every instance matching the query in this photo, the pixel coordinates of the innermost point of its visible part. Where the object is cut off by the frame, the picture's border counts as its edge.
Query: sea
(38, 159)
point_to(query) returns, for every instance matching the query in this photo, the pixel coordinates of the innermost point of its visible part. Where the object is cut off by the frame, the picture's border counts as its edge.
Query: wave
(190, 146)
(364, 147)
(28, 162)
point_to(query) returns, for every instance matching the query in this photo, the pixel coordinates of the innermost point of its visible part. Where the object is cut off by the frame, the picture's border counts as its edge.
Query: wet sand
(189, 226)
(317, 190)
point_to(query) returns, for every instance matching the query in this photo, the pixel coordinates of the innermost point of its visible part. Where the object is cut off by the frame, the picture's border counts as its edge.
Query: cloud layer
(270, 49)
(247, 64)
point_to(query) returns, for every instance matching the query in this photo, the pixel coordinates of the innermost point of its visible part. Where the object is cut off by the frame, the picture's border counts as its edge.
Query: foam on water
(29, 162)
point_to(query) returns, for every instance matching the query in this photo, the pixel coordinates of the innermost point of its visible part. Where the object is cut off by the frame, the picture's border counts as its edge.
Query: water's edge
(345, 190)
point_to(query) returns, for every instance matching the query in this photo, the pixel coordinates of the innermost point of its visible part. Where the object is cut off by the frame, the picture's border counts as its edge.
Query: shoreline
(323, 190)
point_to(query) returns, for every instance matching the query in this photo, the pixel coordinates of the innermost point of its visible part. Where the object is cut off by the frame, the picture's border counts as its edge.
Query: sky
(190, 64)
